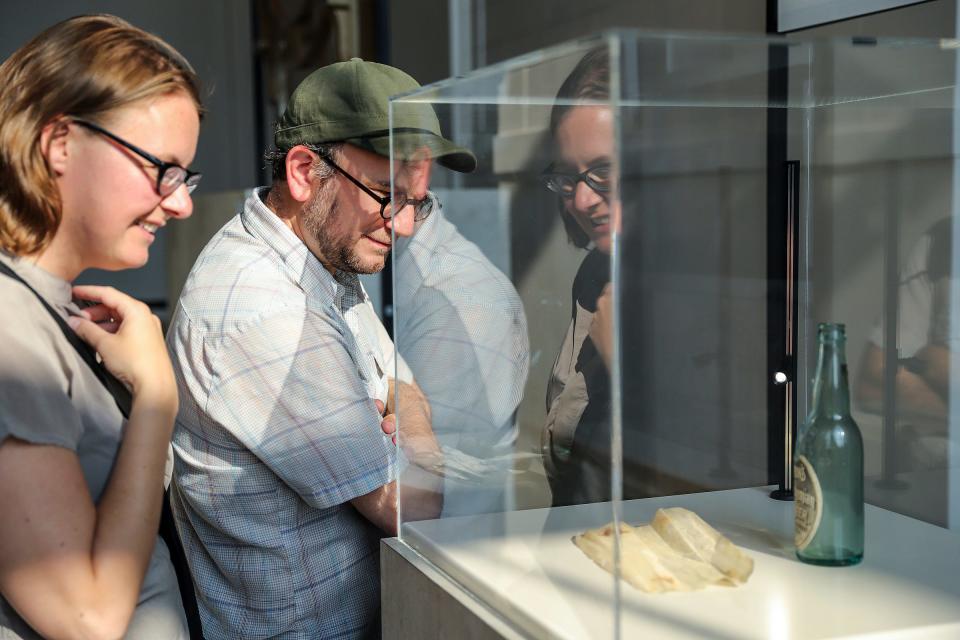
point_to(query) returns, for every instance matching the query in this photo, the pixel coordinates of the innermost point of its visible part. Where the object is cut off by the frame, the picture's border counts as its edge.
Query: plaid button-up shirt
(277, 364)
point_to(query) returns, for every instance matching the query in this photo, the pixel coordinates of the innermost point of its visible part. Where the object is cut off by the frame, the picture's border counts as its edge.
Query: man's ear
(53, 144)
(301, 180)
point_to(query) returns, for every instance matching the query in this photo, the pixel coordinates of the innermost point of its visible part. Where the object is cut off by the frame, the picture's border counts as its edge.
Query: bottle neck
(831, 387)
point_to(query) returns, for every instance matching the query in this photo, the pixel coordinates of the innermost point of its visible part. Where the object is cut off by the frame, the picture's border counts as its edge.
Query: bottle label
(807, 502)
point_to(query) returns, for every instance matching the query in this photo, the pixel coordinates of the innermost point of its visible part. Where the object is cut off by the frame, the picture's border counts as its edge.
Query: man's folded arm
(288, 389)
(293, 395)
(420, 495)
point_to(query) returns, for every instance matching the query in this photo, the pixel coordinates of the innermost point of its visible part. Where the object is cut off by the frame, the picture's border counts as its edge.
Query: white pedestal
(524, 570)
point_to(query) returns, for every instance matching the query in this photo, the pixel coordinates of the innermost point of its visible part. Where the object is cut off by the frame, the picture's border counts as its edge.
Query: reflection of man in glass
(925, 342)
(461, 328)
(576, 438)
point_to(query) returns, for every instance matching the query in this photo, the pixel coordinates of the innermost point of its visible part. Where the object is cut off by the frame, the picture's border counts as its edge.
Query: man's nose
(402, 222)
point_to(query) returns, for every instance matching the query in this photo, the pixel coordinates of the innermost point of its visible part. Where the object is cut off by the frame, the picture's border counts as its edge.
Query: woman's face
(585, 141)
(111, 208)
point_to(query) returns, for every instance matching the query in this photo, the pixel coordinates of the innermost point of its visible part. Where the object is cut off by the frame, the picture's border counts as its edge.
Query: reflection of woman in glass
(925, 340)
(576, 437)
(98, 120)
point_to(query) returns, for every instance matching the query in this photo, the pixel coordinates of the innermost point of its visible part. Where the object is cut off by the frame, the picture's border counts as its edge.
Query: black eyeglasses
(565, 184)
(422, 207)
(169, 175)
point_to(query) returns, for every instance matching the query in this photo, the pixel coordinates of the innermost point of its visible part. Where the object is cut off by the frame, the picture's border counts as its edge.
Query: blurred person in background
(925, 340)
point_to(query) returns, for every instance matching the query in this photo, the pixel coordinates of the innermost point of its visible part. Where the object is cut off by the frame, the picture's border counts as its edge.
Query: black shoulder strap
(121, 395)
(123, 398)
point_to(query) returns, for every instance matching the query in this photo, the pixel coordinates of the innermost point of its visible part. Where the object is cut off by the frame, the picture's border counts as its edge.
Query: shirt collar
(55, 290)
(303, 267)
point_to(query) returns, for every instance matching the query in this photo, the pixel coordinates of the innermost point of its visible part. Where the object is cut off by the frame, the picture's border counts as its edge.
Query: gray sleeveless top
(49, 396)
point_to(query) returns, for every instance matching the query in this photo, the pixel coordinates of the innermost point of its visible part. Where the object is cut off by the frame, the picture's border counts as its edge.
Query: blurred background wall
(251, 53)
(217, 39)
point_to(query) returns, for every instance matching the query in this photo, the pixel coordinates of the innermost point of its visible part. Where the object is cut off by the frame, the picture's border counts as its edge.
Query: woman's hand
(129, 339)
(70, 566)
(601, 328)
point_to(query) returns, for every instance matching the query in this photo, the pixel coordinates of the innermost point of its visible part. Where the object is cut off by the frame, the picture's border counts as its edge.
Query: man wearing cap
(285, 472)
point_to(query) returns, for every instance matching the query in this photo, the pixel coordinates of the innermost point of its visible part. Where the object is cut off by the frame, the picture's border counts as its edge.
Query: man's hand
(422, 480)
(389, 422)
(407, 404)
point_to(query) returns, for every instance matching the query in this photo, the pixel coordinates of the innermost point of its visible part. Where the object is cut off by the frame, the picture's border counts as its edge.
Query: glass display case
(617, 311)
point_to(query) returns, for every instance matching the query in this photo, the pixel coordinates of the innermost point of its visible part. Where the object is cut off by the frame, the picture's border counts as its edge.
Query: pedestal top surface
(524, 565)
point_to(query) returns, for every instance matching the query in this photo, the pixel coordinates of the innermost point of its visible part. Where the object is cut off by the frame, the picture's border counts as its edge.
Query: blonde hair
(83, 67)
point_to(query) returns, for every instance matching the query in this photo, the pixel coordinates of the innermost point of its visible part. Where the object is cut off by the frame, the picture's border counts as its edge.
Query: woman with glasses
(98, 122)
(575, 439)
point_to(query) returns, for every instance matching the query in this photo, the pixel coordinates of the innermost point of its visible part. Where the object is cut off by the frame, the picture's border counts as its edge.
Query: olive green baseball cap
(350, 102)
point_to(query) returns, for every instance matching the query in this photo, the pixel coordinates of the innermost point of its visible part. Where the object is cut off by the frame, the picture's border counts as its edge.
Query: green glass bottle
(828, 464)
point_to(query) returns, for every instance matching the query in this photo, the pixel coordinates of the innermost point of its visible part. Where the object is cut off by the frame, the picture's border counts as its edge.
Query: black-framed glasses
(169, 175)
(422, 207)
(565, 184)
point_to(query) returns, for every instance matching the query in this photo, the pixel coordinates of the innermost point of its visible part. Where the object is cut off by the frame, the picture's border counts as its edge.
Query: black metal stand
(785, 376)
(782, 197)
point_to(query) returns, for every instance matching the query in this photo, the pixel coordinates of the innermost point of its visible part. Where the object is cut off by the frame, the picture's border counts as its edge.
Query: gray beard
(335, 251)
